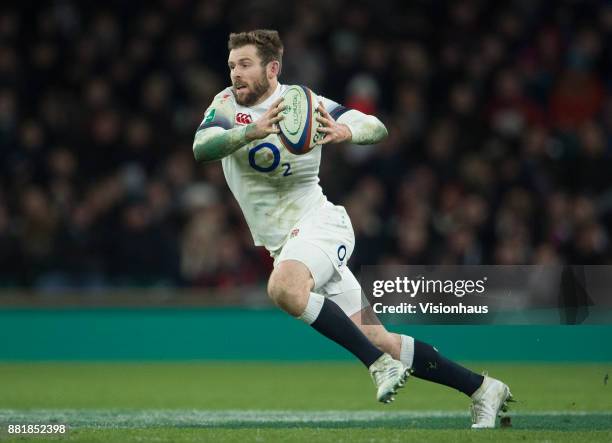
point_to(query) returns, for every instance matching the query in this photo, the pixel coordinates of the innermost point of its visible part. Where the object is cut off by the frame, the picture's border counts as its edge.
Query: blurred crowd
(499, 114)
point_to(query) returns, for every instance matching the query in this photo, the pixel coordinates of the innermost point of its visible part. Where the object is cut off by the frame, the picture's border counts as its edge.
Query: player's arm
(216, 138)
(349, 125)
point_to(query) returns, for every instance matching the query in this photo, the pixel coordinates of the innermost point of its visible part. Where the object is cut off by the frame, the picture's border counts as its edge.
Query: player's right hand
(267, 123)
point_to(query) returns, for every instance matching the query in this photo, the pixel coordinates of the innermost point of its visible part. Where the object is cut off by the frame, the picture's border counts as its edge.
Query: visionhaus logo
(429, 308)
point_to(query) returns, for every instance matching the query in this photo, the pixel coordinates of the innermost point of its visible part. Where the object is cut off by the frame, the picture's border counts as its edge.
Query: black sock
(333, 323)
(429, 365)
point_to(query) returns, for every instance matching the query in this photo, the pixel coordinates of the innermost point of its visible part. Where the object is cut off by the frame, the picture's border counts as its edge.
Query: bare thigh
(289, 286)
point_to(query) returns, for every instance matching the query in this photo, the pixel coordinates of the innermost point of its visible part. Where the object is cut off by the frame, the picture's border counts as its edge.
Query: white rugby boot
(388, 375)
(490, 398)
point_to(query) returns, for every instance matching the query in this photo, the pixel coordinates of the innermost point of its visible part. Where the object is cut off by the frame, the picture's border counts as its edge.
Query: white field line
(120, 418)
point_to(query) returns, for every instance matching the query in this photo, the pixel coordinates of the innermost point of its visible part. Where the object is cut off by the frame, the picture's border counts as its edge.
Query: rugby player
(309, 238)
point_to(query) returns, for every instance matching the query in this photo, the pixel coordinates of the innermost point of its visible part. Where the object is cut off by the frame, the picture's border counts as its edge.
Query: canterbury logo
(243, 119)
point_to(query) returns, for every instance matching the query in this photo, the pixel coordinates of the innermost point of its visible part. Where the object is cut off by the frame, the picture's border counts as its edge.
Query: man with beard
(309, 238)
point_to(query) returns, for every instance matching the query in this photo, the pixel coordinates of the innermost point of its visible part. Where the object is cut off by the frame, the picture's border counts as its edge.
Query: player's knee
(288, 293)
(275, 289)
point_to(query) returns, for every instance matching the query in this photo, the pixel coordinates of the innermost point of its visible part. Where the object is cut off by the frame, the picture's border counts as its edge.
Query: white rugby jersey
(273, 187)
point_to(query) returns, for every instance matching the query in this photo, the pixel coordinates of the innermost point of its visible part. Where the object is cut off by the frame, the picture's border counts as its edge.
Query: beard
(256, 90)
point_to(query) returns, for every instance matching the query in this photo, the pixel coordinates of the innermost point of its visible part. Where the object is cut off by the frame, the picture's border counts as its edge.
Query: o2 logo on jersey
(270, 155)
(243, 119)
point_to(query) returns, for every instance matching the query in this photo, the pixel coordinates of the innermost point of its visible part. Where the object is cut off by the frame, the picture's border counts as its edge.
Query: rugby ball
(298, 128)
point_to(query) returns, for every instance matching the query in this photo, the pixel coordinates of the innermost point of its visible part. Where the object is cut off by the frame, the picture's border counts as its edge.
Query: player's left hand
(334, 132)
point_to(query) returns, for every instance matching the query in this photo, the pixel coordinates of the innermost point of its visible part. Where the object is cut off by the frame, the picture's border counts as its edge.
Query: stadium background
(500, 121)
(115, 245)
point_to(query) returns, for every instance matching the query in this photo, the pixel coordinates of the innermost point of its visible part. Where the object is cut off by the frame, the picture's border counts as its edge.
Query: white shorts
(323, 241)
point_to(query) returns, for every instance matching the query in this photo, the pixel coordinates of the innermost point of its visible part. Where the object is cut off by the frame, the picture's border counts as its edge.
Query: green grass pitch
(303, 402)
